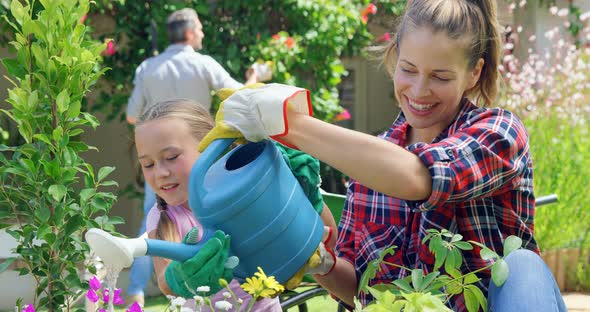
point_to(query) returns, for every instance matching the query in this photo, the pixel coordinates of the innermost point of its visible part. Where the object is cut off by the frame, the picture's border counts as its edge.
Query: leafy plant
(304, 38)
(429, 291)
(46, 188)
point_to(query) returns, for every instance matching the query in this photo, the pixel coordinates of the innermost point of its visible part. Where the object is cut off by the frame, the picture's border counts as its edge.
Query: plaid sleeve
(345, 244)
(485, 157)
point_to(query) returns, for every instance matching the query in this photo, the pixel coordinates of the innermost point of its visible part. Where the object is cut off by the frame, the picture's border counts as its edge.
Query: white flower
(226, 295)
(185, 309)
(203, 289)
(553, 10)
(170, 297)
(240, 301)
(178, 302)
(563, 12)
(223, 305)
(199, 300)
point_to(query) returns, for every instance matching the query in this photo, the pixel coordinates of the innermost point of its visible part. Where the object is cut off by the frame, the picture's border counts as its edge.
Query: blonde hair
(474, 21)
(200, 123)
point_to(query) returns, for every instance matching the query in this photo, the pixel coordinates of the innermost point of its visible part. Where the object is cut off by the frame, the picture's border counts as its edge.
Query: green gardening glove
(203, 269)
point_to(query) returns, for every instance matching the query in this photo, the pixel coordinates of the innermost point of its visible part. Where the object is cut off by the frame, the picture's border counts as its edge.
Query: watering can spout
(115, 251)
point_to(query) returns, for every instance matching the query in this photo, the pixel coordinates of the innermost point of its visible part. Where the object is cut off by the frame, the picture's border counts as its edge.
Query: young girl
(445, 163)
(166, 137)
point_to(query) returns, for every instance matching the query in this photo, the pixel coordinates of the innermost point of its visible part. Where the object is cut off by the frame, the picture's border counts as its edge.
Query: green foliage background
(237, 33)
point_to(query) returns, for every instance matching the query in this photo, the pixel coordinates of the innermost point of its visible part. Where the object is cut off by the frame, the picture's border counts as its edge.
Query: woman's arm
(341, 282)
(373, 162)
(329, 221)
(160, 265)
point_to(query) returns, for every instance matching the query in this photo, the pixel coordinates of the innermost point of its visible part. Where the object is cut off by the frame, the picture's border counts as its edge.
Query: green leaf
(18, 11)
(499, 272)
(417, 276)
(63, 101)
(511, 243)
(483, 301)
(470, 278)
(13, 67)
(464, 245)
(86, 193)
(368, 275)
(456, 238)
(43, 213)
(403, 285)
(74, 109)
(103, 172)
(7, 262)
(428, 279)
(57, 191)
(488, 254)
(470, 300)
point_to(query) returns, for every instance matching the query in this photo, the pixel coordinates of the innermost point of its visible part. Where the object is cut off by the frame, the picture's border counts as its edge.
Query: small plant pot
(13, 285)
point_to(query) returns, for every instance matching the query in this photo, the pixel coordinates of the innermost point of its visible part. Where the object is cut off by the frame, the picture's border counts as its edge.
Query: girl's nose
(421, 87)
(162, 171)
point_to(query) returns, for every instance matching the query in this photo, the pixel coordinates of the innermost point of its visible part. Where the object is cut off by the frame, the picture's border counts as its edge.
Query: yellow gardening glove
(256, 112)
(321, 262)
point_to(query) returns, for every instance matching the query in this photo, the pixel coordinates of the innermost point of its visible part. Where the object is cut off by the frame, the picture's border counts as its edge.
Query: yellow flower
(261, 286)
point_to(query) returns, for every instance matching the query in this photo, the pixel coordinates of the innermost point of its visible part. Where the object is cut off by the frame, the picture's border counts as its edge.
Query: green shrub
(46, 188)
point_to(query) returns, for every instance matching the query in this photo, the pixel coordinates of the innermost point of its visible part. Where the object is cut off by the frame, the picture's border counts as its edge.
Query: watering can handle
(200, 168)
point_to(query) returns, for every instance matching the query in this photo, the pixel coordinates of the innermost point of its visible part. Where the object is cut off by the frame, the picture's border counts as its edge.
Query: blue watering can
(251, 194)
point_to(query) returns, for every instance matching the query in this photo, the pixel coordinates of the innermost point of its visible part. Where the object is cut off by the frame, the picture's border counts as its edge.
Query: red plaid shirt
(482, 188)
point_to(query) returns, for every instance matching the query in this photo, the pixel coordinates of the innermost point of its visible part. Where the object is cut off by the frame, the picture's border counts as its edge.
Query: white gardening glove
(257, 112)
(327, 259)
(263, 70)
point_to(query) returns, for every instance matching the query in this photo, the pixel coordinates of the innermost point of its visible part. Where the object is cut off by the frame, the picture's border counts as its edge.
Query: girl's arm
(160, 265)
(341, 282)
(373, 162)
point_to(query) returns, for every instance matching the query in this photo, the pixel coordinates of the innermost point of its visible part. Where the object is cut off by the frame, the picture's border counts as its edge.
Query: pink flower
(345, 115)
(94, 283)
(117, 299)
(102, 310)
(92, 296)
(384, 38)
(105, 295)
(29, 308)
(135, 307)
(276, 37)
(83, 18)
(110, 49)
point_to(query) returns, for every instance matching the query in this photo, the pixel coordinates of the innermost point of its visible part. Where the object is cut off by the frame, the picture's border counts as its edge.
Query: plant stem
(396, 265)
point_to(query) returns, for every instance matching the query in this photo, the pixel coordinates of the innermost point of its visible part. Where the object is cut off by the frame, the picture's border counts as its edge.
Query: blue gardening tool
(250, 194)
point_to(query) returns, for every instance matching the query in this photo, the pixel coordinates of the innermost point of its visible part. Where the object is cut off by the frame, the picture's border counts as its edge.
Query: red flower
(384, 38)
(370, 9)
(83, 18)
(276, 37)
(290, 42)
(345, 115)
(110, 49)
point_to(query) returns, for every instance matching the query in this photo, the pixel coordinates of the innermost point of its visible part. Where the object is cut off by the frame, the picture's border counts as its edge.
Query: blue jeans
(142, 267)
(530, 286)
